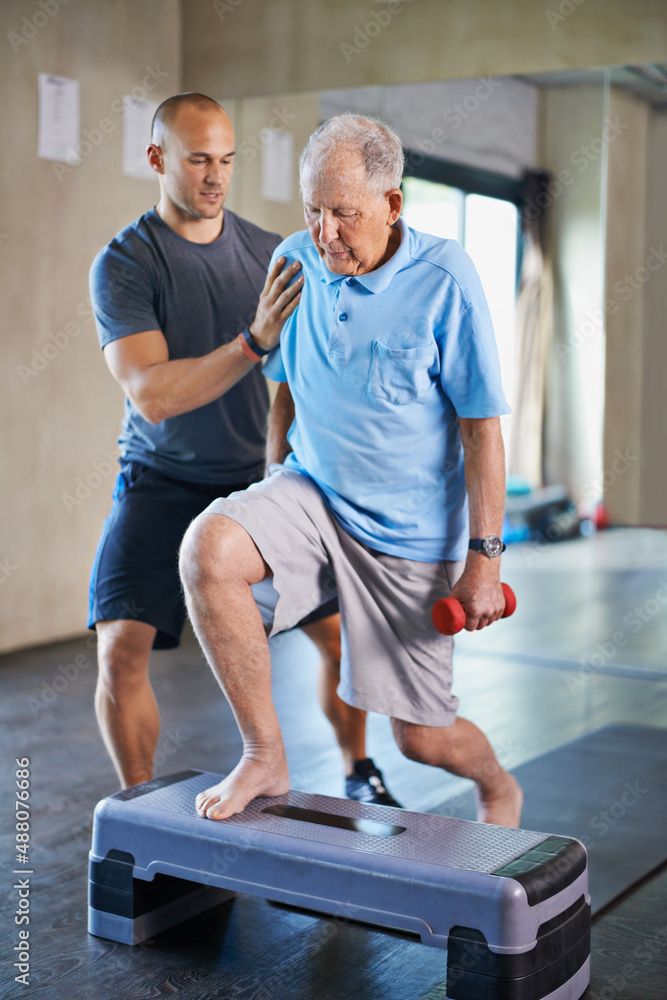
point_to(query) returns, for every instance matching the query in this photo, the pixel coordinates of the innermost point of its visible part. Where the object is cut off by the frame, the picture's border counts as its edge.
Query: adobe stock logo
(566, 9)
(608, 818)
(377, 22)
(30, 26)
(83, 488)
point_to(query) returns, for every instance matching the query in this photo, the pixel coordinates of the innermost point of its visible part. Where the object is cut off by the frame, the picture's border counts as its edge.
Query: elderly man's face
(350, 225)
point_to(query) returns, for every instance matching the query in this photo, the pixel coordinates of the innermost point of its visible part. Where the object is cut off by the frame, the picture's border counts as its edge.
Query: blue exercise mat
(607, 789)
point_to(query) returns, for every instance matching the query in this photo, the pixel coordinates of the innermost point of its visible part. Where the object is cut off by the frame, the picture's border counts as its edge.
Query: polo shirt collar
(378, 280)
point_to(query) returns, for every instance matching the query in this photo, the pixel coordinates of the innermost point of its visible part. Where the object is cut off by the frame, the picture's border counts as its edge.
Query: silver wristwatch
(491, 546)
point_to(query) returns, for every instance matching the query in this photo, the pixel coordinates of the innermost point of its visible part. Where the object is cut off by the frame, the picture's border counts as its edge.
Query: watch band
(250, 347)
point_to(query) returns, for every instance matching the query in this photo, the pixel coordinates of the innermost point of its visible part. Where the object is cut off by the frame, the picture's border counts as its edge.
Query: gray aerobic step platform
(510, 906)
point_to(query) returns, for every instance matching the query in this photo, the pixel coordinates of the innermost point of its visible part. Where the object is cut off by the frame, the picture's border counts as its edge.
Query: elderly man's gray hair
(380, 148)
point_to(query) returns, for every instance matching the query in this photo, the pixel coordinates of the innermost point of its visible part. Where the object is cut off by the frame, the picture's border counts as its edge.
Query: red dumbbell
(449, 617)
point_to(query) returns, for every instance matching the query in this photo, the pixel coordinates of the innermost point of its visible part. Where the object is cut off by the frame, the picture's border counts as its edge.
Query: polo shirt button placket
(337, 341)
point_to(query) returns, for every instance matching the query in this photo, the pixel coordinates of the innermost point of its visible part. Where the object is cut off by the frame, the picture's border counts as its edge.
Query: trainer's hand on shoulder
(276, 303)
(480, 593)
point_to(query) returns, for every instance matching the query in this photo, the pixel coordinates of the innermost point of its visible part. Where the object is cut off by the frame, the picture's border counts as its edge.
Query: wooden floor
(532, 683)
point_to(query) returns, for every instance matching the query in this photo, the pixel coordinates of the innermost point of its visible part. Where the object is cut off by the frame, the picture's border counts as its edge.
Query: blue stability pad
(511, 906)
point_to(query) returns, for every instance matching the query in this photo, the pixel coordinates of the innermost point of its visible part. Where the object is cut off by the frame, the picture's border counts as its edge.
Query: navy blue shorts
(135, 573)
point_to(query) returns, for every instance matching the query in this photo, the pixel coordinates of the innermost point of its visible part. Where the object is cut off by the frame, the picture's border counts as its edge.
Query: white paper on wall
(137, 117)
(277, 164)
(59, 123)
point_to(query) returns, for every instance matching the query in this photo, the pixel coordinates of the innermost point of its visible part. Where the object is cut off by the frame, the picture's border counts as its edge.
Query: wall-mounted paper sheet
(137, 117)
(59, 119)
(277, 164)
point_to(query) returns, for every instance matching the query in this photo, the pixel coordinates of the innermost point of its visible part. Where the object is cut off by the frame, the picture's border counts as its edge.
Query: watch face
(493, 546)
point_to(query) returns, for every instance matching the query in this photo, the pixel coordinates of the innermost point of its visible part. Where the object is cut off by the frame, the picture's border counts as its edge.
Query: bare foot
(502, 808)
(249, 779)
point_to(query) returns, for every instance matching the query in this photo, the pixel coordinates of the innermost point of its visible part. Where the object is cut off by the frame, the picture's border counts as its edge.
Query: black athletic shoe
(367, 785)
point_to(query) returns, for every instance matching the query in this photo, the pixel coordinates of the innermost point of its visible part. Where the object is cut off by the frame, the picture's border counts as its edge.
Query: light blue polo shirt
(381, 366)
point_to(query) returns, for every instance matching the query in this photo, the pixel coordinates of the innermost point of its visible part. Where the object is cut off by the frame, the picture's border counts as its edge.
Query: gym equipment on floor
(510, 906)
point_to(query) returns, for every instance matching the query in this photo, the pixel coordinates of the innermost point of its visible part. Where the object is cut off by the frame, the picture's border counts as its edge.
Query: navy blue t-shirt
(200, 295)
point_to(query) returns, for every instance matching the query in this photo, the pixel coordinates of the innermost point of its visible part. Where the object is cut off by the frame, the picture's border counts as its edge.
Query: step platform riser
(511, 906)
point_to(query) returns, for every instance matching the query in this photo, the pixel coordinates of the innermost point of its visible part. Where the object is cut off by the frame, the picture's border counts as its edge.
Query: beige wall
(609, 358)
(59, 408)
(636, 412)
(572, 151)
(626, 355)
(253, 119)
(257, 47)
(653, 469)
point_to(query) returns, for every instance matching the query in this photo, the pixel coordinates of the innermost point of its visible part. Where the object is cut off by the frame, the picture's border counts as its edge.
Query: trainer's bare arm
(281, 416)
(478, 589)
(160, 388)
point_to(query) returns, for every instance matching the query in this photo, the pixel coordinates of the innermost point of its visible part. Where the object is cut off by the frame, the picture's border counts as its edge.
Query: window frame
(471, 180)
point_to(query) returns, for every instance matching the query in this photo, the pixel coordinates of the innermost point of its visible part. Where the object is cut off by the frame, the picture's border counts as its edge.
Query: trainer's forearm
(280, 420)
(169, 388)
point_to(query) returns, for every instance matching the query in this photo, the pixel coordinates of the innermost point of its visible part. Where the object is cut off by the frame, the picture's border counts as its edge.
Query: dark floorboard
(629, 946)
(528, 701)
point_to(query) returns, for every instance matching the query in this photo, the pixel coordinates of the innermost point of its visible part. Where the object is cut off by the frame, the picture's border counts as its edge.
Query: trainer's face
(349, 224)
(197, 157)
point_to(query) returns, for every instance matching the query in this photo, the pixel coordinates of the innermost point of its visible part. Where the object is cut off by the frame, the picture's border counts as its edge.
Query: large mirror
(553, 183)
(566, 165)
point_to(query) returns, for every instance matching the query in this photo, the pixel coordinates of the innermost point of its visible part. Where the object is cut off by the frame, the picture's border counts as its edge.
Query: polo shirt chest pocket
(401, 375)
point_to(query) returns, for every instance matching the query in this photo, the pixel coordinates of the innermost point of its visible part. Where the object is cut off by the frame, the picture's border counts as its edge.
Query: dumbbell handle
(449, 616)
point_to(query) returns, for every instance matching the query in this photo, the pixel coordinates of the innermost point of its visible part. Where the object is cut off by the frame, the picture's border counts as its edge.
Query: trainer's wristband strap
(250, 347)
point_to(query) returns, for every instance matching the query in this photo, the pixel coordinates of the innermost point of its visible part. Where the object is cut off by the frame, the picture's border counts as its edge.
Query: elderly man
(393, 489)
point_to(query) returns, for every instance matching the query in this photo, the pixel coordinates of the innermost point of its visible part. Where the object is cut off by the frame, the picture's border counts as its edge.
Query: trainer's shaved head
(166, 114)
(192, 152)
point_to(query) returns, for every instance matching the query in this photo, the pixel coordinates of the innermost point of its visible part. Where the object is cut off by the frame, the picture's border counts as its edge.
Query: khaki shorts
(394, 660)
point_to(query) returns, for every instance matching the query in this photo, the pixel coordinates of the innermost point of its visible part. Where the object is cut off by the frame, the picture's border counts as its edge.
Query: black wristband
(253, 345)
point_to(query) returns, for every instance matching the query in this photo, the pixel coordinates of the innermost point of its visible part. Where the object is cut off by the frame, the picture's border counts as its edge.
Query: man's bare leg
(464, 750)
(126, 709)
(219, 563)
(348, 723)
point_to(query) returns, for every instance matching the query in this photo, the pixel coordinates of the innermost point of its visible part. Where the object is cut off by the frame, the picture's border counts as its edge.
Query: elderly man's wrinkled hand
(481, 596)
(280, 297)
